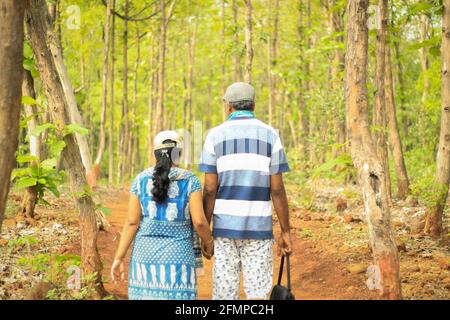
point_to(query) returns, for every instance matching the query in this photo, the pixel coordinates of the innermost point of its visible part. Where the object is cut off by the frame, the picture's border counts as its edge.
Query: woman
(165, 205)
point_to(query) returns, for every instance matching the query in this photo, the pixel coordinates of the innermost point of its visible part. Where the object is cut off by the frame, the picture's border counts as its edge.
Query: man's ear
(230, 108)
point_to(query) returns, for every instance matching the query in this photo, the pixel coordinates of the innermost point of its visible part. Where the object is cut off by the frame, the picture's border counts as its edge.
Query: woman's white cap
(158, 142)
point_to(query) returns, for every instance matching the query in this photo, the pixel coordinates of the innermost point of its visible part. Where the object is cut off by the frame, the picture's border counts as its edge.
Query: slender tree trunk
(133, 146)
(248, 40)
(379, 109)
(11, 57)
(106, 35)
(111, 101)
(302, 119)
(161, 69)
(401, 85)
(151, 121)
(425, 64)
(54, 45)
(41, 37)
(237, 53)
(224, 56)
(433, 218)
(394, 134)
(272, 56)
(363, 151)
(337, 68)
(30, 197)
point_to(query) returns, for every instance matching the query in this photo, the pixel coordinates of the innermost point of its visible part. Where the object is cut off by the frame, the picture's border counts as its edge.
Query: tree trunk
(237, 53)
(224, 56)
(379, 109)
(132, 146)
(11, 57)
(302, 119)
(394, 134)
(111, 101)
(30, 198)
(151, 121)
(425, 65)
(75, 116)
(401, 87)
(433, 218)
(248, 40)
(106, 35)
(161, 69)
(41, 37)
(363, 151)
(272, 56)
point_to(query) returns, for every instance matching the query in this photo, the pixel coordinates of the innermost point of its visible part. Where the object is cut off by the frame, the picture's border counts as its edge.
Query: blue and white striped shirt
(244, 152)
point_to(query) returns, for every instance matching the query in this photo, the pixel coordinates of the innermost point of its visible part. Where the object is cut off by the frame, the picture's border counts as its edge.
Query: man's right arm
(280, 203)
(209, 194)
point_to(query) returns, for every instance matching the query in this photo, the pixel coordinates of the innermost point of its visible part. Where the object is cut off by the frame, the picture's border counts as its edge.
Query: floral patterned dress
(166, 250)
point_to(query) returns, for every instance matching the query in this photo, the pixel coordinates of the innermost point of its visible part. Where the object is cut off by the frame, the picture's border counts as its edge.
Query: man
(243, 160)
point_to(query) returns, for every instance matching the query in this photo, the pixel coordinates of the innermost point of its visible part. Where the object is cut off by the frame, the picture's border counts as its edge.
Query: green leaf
(26, 182)
(26, 159)
(49, 163)
(19, 172)
(29, 101)
(105, 210)
(39, 129)
(75, 128)
(57, 147)
(27, 50)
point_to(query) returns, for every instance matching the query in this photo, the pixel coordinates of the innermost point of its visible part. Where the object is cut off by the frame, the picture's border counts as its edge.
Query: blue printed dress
(166, 249)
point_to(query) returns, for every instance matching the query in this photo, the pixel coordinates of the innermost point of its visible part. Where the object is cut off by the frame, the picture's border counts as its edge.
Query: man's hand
(285, 244)
(208, 249)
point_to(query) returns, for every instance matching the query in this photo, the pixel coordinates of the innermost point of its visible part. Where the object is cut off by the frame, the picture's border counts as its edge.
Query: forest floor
(331, 252)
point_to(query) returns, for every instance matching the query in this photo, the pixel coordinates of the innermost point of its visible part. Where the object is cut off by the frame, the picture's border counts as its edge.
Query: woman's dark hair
(161, 171)
(245, 105)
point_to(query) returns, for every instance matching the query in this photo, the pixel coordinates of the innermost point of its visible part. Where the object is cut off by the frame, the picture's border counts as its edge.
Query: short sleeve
(278, 159)
(135, 186)
(208, 156)
(194, 185)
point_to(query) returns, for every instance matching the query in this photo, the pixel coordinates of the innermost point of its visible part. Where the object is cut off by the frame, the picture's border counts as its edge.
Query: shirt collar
(241, 114)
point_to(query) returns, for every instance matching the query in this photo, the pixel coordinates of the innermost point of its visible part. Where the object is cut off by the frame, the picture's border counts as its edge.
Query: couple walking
(169, 219)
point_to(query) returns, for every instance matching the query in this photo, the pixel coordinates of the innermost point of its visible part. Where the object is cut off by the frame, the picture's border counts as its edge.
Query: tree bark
(106, 35)
(425, 65)
(302, 119)
(111, 101)
(30, 197)
(248, 40)
(42, 38)
(394, 134)
(363, 152)
(434, 214)
(272, 55)
(237, 53)
(379, 109)
(11, 57)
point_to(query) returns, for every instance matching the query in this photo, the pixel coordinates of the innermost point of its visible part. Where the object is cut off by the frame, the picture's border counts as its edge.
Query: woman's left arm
(127, 236)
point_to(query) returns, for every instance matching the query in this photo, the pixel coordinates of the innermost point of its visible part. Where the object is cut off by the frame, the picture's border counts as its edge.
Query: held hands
(208, 249)
(284, 243)
(117, 266)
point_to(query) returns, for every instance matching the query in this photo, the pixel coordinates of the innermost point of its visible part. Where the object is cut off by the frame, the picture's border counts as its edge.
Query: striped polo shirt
(244, 152)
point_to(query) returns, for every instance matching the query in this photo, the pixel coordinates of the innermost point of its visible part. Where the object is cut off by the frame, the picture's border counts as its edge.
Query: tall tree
(164, 21)
(433, 218)
(364, 155)
(393, 130)
(379, 108)
(248, 40)
(31, 193)
(111, 100)
(237, 44)
(301, 107)
(272, 55)
(11, 57)
(106, 35)
(42, 39)
(425, 64)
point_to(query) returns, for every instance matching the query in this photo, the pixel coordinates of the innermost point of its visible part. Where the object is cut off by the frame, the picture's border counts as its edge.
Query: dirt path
(318, 268)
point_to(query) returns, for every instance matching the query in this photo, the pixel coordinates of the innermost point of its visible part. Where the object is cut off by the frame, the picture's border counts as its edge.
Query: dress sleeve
(135, 187)
(194, 185)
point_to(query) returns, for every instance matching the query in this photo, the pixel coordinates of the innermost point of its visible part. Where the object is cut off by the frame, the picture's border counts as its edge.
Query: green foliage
(337, 168)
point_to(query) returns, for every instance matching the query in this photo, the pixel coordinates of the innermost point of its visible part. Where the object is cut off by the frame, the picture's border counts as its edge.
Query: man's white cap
(158, 142)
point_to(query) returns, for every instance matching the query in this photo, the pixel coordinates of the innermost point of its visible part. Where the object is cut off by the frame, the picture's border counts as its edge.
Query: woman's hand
(118, 265)
(208, 248)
